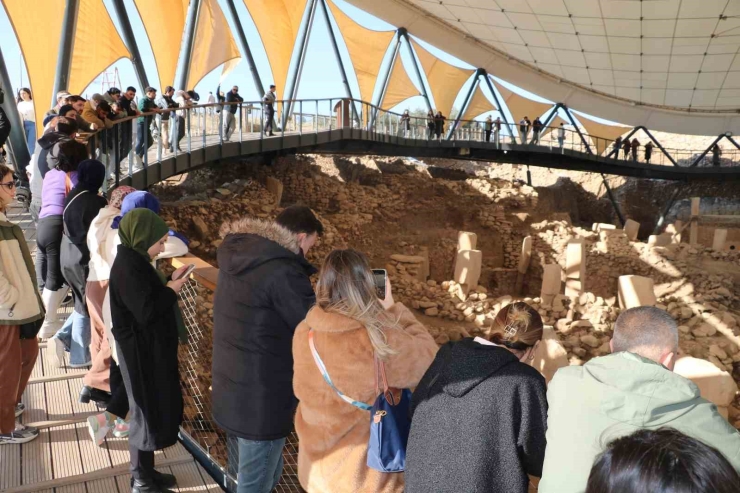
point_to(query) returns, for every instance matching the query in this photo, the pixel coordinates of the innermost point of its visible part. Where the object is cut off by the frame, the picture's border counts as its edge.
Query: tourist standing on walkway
(430, 124)
(561, 135)
(478, 394)
(524, 125)
(626, 148)
(497, 132)
(439, 125)
(716, 153)
(269, 104)
(231, 109)
(25, 108)
(634, 147)
(488, 128)
(536, 129)
(165, 102)
(177, 119)
(62, 99)
(631, 389)
(21, 311)
(57, 184)
(349, 328)
(145, 326)
(78, 103)
(81, 206)
(617, 147)
(648, 151)
(263, 293)
(404, 125)
(144, 123)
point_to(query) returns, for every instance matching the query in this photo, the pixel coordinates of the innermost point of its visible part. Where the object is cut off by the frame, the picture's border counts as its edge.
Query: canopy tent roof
(665, 64)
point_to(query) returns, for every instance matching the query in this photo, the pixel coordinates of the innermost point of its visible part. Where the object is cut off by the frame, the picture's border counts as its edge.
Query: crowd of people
(287, 355)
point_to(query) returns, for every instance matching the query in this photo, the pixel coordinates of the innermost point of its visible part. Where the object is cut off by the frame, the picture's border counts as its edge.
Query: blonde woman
(349, 325)
(480, 412)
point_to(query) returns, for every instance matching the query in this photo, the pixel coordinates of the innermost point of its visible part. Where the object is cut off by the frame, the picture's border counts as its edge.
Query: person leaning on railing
(166, 102)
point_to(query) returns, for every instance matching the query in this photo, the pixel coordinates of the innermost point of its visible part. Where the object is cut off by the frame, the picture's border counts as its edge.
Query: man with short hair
(524, 125)
(165, 102)
(144, 123)
(497, 132)
(263, 293)
(561, 135)
(78, 103)
(633, 388)
(231, 109)
(269, 103)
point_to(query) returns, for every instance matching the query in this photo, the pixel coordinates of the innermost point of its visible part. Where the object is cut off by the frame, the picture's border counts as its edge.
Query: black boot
(164, 480)
(100, 397)
(147, 486)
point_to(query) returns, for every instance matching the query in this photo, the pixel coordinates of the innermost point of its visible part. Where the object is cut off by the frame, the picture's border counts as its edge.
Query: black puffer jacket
(263, 293)
(479, 421)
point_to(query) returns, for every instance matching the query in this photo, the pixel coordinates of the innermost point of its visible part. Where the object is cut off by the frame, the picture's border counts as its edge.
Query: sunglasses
(10, 185)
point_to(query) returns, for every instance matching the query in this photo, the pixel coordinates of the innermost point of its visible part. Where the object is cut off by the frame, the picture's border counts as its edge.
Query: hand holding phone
(383, 288)
(186, 273)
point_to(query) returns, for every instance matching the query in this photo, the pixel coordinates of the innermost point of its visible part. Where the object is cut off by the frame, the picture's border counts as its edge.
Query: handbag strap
(327, 378)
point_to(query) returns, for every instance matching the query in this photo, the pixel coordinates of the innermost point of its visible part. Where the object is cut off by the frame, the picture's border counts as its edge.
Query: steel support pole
(612, 200)
(386, 78)
(293, 89)
(186, 48)
(466, 102)
(403, 32)
(551, 116)
(512, 133)
(66, 45)
(703, 154)
(661, 219)
(585, 143)
(655, 141)
(130, 40)
(17, 139)
(242, 39)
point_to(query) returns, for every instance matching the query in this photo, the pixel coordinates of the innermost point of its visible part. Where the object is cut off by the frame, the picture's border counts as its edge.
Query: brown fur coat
(333, 434)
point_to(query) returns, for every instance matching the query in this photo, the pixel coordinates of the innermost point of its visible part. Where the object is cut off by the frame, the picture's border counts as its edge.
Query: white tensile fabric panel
(519, 106)
(479, 104)
(400, 87)
(213, 45)
(444, 80)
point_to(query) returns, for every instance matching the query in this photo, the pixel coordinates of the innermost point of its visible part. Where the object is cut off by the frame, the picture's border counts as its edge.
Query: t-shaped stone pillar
(468, 267)
(720, 238)
(636, 291)
(551, 280)
(575, 267)
(524, 260)
(631, 229)
(466, 241)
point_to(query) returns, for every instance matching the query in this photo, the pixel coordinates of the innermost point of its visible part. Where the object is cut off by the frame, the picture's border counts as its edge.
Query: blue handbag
(389, 421)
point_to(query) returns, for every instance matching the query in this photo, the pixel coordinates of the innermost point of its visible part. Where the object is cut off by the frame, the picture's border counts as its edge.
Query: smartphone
(187, 272)
(380, 276)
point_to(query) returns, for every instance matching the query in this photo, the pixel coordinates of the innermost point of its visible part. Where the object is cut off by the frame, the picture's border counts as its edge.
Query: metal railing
(194, 127)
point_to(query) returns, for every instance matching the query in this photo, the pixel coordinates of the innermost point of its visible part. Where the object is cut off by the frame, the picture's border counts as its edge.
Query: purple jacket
(53, 192)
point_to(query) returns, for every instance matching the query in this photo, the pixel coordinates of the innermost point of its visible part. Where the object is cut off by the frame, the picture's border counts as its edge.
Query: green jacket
(147, 104)
(613, 396)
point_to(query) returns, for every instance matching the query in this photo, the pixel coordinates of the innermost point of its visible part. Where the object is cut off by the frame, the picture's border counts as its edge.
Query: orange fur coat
(334, 434)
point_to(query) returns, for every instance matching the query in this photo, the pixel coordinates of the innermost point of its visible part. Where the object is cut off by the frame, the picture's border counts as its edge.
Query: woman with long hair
(57, 184)
(80, 209)
(145, 326)
(20, 309)
(480, 412)
(350, 328)
(25, 108)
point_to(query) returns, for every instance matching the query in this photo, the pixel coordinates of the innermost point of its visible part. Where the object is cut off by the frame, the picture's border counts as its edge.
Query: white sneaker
(19, 409)
(21, 434)
(55, 352)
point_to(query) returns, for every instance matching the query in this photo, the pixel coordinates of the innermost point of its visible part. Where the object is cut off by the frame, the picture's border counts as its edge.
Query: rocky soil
(395, 210)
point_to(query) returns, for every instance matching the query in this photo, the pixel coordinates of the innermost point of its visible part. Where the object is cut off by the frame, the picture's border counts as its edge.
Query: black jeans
(49, 233)
(269, 117)
(488, 136)
(142, 464)
(118, 404)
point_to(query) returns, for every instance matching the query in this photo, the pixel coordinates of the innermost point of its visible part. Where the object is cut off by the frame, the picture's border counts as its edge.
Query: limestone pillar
(551, 280)
(694, 231)
(524, 260)
(275, 187)
(598, 227)
(720, 238)
(660, 240)
(631, 229)
(467, 267)
(636, 291)
(575, 267)
(466, 241)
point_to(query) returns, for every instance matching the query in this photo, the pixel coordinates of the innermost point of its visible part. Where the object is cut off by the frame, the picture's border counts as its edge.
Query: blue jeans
(30, 128)
(75, 334)
(260, 465)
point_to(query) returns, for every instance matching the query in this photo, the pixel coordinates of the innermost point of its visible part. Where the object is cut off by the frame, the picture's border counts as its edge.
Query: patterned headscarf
(117, 196)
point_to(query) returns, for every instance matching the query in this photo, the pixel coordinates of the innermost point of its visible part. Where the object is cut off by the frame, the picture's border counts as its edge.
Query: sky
(320, 78)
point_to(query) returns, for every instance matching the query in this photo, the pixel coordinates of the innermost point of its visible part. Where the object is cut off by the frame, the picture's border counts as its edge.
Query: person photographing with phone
(352, 332)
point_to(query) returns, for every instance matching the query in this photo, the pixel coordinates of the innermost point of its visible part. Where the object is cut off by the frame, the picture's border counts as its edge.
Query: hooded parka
(263, 293)
(614, 396)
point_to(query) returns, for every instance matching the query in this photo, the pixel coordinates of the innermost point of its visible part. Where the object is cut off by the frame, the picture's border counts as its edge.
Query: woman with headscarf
(145, 313)
(117, 407)
(81, 207)
(102, 245)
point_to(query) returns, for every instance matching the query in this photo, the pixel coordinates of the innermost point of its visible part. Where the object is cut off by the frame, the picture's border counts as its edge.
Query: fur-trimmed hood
(250, 242)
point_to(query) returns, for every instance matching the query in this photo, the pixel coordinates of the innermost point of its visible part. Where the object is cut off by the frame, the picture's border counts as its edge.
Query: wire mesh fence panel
(195, 375)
